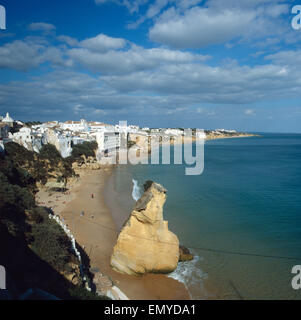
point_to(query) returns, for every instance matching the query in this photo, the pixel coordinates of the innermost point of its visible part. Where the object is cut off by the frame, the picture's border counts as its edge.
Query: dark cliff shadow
(26, 270)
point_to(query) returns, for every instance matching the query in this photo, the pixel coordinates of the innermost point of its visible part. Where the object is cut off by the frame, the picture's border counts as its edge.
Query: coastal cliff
(145, 245)
(43, 256)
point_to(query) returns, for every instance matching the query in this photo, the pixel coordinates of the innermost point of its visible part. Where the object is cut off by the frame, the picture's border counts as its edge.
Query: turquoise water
(247, 200)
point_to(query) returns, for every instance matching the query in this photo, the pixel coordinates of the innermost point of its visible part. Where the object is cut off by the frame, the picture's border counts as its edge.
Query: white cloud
(20, 55)
(102, 43)
(132, 5)
(153, 10)
(250, 112)
(68, 40)
(202, 83)
(41, 26)
(199, 27)
(217, 22)
(287, 57)
(129, 78)
(134, 59)
(23, 55)
(101, 1)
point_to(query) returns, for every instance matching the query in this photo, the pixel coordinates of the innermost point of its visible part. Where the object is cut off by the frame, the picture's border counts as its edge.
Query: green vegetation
(51, 244)
(39, 167)
(51, 153)
(35, 250)
(147, 184)
(83, 150)
(32, 123)
(86, 149)
(130, 143)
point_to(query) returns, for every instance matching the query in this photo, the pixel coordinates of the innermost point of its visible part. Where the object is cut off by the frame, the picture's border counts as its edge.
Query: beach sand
(96, 233)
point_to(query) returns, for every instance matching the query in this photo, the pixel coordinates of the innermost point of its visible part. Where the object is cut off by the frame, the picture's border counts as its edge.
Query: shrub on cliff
(147, 184)
(31, 242)
(18, 154)
(51, 244)
(38, 215)
(14, 197)
(50, 153)
(86, 149)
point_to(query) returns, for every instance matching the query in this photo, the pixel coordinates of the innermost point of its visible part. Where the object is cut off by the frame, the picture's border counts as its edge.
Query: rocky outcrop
(185, 254)
(145, 245)
(87, 164)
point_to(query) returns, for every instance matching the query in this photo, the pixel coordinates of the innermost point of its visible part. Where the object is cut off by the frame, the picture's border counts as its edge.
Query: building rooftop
(7, 118)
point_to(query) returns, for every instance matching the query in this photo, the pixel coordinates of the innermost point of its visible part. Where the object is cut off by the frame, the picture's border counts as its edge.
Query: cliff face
(145, 244)
(35, 250)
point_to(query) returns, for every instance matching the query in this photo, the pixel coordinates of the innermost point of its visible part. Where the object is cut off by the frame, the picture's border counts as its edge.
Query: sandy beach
(96, 232)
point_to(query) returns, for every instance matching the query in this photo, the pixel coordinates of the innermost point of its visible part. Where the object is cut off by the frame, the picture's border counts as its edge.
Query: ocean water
(242, 212)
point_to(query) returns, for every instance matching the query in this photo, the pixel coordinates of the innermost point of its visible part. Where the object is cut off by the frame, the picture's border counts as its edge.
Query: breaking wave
(136, 193)
(191, 275)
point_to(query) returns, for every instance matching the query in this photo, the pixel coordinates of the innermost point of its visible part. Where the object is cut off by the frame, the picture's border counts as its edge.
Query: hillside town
(64, 135)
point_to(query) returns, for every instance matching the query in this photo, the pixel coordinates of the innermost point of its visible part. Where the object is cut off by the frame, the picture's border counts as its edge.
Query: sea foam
(136, 193)
(191, 275)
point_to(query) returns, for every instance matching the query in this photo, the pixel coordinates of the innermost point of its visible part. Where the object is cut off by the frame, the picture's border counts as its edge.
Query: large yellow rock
(145, 244)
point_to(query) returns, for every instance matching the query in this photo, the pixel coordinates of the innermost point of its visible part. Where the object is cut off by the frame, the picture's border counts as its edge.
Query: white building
(226, 131)
(61, 142)
(201, 134)
(174, 132)
(29, 139)
(23, 137)
(8, 120)
(78, 126)
(4, 135)
(4, 130)
(108, 142)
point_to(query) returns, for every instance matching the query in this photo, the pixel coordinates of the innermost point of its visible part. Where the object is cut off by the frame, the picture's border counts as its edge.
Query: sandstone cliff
(145, 244)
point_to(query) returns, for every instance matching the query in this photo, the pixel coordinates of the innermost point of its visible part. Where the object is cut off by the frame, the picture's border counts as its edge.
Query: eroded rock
(145, 245)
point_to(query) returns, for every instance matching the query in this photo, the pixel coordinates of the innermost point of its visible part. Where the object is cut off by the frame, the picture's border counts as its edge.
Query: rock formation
(185, 254)
(145, 245)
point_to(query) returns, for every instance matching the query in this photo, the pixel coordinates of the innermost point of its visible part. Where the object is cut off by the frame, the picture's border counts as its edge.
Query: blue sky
(232, 64)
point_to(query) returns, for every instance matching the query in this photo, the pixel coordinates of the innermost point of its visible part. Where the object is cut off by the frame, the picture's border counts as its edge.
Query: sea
(241, 218)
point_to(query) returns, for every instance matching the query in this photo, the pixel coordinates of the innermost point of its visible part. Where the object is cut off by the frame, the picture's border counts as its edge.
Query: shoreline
(96, 232)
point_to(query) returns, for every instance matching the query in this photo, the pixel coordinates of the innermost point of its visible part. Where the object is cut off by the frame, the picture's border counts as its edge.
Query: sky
(233, 64)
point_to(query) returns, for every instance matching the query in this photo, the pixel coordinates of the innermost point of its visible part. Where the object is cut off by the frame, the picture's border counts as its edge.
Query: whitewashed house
(200, 134)
(4, 135)
(4, 130)
(174, 132)
(61, 142)
(8, 120)
(29, 139)
(78, 126)
(24, 138)
(108, 143)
